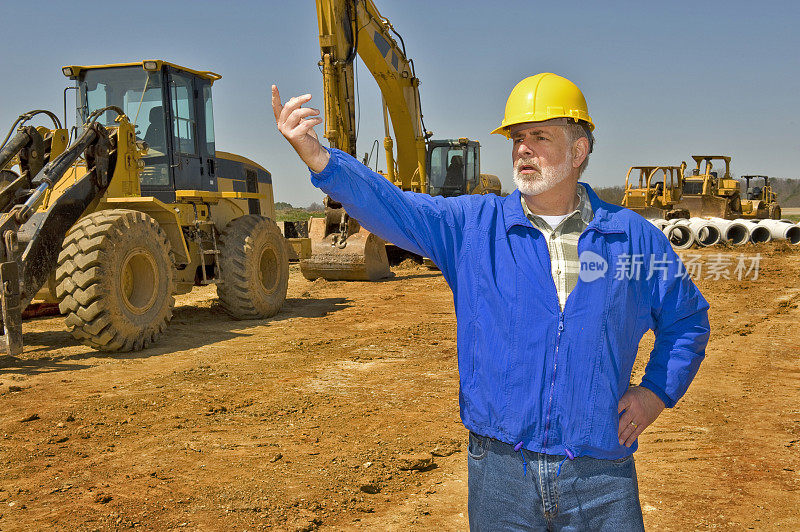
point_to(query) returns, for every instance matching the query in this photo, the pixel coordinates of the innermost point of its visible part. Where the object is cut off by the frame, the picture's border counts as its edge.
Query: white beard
(532, 185)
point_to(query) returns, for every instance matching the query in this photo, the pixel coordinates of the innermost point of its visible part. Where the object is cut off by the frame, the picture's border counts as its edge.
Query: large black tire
(115, 279)
(774, 211)
(253, 268)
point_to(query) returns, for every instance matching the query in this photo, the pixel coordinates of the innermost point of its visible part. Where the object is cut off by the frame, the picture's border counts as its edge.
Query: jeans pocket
(622, 460)
(478, 446)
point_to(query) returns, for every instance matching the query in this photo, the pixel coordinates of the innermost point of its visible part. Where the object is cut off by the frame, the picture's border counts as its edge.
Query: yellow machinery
(139, 208)
(342, 249)
(760, 202)
(657, 192)
(705, 193)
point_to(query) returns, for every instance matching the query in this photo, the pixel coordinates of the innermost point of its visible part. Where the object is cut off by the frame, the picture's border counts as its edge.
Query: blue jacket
(529, 372)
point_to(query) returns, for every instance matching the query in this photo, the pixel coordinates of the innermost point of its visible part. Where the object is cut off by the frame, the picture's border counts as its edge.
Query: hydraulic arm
(341, 249)
(31, 241)
(355, 27)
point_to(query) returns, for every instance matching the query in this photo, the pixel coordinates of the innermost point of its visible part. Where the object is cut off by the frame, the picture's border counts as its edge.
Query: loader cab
(171, 107)
(453, 166)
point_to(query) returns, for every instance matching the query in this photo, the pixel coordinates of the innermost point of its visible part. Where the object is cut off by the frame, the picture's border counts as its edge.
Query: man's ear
(580, 150)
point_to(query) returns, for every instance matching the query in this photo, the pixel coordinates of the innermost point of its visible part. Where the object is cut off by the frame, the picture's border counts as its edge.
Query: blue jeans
(588, 494)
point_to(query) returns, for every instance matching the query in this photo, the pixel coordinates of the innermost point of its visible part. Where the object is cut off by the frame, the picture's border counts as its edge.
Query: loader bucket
(362, 258)
(702, 206)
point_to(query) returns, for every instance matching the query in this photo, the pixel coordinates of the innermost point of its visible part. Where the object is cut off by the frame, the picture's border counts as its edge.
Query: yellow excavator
(139, 207)
(657, 191)
(341, 248)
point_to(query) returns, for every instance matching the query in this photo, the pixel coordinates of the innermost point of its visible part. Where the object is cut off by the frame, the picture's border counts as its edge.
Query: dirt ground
(310, 420)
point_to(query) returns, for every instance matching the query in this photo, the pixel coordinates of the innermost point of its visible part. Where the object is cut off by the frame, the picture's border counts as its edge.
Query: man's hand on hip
(297, 125)
(641, 407)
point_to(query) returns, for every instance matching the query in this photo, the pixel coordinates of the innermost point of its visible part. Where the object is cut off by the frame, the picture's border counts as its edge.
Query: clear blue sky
(663, 80)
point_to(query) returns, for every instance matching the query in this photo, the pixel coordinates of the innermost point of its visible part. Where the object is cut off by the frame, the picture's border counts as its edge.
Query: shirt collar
(584, 207)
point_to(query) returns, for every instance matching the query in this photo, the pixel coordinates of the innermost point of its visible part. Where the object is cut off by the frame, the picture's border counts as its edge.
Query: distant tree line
(284, 206)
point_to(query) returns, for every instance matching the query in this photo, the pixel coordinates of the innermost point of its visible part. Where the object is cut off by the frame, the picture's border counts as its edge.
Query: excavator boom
(355, 27)
(341, 249)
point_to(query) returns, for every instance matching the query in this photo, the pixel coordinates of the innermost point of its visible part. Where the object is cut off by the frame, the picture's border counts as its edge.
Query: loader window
(209, 119)
(138, 93)
(471, 173)
(183, 119)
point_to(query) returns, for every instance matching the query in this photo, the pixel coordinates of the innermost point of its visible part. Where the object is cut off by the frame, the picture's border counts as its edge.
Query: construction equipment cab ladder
(341, 249)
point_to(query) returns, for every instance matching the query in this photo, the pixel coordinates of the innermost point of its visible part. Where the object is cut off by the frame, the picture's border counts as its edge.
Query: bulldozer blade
(362, 258)
(650, 212)
(699, 206)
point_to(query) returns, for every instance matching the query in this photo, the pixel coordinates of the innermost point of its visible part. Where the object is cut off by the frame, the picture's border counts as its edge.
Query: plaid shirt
(562, 242)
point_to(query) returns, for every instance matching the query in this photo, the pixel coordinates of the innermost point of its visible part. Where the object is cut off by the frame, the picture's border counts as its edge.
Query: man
(549, 309)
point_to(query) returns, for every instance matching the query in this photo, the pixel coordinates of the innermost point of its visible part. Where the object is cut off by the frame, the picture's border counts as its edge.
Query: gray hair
(575, 132)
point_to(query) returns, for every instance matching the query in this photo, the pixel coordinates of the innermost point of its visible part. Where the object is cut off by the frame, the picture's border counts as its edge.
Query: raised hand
(296, 123)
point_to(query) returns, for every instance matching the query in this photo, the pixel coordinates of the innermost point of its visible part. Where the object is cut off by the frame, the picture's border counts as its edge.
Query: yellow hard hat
(544, 97)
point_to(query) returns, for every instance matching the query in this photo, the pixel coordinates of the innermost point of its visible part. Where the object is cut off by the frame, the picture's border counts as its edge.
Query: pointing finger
(276, 102)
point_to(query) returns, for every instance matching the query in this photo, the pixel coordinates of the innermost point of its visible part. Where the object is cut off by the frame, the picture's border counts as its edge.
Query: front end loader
(166, 211)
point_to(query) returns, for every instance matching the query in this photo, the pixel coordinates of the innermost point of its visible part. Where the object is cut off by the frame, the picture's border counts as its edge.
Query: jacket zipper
(558, 341)
(553, 378)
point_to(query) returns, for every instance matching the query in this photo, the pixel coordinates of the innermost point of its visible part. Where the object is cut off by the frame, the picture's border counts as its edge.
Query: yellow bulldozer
(656, 192)
(341, 248)
(139, 207)
(705, 193)
(760, 201)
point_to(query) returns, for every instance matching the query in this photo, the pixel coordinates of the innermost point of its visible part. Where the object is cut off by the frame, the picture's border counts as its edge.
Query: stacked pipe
(680, 235)
(683, 233)
(782, 230)
(758, 233)
(731, 231)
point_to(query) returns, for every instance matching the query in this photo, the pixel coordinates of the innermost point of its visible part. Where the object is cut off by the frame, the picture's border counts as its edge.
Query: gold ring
(634, 424)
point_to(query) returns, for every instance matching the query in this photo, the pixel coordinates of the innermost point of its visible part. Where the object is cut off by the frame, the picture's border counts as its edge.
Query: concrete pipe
(758, 233)
(661, 223)
(781, 230)
(732, 232)
(680, 236)
(707, 233)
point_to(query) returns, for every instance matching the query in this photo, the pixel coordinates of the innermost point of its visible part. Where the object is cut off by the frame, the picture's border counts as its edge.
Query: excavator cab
(171, 108)
(453, 166)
